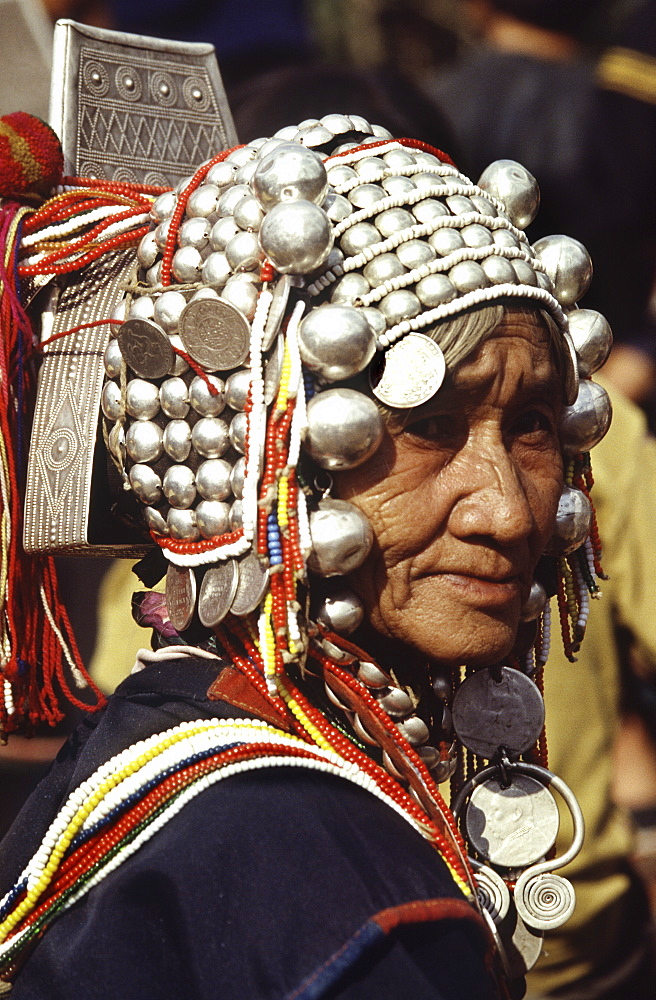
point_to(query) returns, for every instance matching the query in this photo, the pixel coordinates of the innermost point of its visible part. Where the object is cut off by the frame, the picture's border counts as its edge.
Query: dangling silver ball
(535, 603)
(592, 338)
(336, 342)
(340, 610)
(568, 264)
(341, 538)
(573, 522)
(345, 428)
(513, 185)
(296, 236)
(290, 172)
(585, 422)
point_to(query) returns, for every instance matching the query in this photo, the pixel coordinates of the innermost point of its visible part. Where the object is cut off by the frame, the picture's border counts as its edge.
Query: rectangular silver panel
(133, 108)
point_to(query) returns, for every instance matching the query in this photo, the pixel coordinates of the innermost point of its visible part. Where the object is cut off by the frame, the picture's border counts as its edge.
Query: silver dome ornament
(516, 187)
(174, 397)
(360, 124)
(203, 201)
(168, 309)
(120, 310)
(345, 428)
(414, 253)
(370, 169)
(296, 236)
(476, 236)
(213, 479)
(398, 185)
(586, 421)
(571, 379)
(147, 251)
(221, 174)
(154, 275)
(592, 338)
(144, 441)
(359, 237)
(568, 264)
(435, 289)
(393, 220)
(216, 270)
(112, 405)
(340, 174)
(161, 234)
(209, 437)
(504, 238)
(336, 207)
(178, 365)
(142, 308)
(499, 270)
(573, 522)
(341, 538)
(145, 483)
(483, 205)
(204, 293)
(382, 268)
(459, 204)
(276, 140)
(231, 198)
(535, 603)
(194, 233)
(525, 273)
(375, 319)
(186, 265)
(243, 296)
(364, 195)
(182, 525)
(155, 521)
(314, 135)
(350, 288)
(336, 123)
(163, 207)
(429, 209)
(243, 252)
(179, 486)
(245, 173)
(177, 440)
(399, 305)
(235, 518)
(397, 159)
(222, 232)
(336, 342)
(205, 403)
(236, 389)
(248, 213)
(237, 477)
(290, 173)
(428, 179)
(468, 276)
(238, 429)
(446, 241)
(212, 518)
(142, 399)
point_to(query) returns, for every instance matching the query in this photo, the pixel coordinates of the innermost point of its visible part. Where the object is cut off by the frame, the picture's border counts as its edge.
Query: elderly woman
(339, 393)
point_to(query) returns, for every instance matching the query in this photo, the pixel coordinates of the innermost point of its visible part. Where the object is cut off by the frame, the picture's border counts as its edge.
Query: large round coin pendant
(217, 592)
(412, 371)
(512, 827)
(498, 710)
(215, 333)
(253, 582)
(180, 596)
(146, 348)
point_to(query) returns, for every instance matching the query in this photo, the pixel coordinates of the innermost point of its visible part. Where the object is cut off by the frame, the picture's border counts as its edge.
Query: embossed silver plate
(133, 108)
(413, 371)
(490, 713)
(512, 827)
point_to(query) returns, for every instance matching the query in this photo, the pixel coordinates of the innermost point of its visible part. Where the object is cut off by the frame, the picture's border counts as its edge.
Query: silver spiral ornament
(492, 893)
(544, 901)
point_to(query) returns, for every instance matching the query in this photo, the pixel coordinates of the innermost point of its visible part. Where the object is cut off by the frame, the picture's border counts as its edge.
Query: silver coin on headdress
(413, 371)
(215, 334)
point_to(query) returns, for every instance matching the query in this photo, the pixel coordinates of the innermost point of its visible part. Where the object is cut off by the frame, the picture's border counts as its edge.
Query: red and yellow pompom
(31, 157)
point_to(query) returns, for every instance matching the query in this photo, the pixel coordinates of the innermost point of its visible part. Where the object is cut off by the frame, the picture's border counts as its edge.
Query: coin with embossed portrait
(215, 333)
(146, 348)
(412, 372)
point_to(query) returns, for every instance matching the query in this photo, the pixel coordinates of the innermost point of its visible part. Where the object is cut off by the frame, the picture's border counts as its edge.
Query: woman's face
(462, 500)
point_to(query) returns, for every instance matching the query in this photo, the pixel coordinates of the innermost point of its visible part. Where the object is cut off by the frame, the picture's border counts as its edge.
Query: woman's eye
(533, 422)
(440, 429)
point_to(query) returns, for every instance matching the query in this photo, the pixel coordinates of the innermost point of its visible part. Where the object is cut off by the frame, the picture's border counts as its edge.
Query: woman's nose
(493, 502)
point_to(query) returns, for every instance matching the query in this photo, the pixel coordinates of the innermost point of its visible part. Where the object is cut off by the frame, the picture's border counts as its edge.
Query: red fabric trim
(231, 686)
(424, 910)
